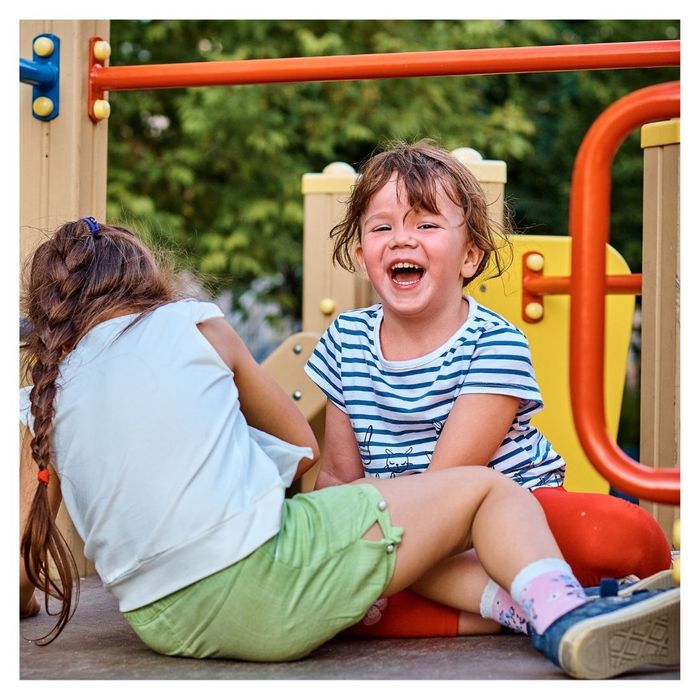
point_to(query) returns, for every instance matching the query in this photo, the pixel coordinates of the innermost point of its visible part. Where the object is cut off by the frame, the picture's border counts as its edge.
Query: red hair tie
(43, 475)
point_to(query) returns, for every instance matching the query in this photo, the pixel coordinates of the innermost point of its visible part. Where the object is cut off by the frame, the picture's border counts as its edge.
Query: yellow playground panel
(549, 343)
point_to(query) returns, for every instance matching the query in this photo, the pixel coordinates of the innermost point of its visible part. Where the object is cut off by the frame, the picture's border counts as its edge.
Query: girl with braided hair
(172, 450)
(75, 282)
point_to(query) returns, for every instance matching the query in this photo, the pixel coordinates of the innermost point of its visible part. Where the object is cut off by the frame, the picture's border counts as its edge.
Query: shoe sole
(658, 581)
(622, 640)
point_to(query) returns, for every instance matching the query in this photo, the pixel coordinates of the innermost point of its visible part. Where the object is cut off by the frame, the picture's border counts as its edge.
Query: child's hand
(30, 608)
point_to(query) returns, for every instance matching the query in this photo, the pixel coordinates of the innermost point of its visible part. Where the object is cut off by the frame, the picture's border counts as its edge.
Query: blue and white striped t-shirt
(397, 408)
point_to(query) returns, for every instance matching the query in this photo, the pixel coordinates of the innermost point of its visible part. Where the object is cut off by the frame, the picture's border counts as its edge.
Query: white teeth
(406, 266)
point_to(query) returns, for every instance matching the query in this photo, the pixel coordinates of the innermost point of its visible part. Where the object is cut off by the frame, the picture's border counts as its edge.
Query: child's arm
(340, 462)
(28, 469)
(474, 430)
(264, 403)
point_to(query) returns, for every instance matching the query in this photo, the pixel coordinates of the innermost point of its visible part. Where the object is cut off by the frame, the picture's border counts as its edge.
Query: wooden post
(63, 162)
(328, 290)
(660, 361)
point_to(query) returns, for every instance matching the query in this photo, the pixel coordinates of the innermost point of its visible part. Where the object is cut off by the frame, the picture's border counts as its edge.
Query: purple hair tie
(92, 223)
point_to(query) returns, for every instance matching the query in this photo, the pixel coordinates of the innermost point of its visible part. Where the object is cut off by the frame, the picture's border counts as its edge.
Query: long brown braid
(83, 274)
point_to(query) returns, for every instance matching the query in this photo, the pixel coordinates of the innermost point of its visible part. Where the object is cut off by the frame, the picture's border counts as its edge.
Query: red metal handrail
(528, 59)
(589, 225)
(551, 284)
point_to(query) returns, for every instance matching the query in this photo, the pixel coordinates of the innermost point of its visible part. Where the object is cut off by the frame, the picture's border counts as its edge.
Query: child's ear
(360, 258)
(472, 259)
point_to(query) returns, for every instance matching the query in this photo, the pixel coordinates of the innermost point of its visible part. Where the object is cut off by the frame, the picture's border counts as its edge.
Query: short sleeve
(25, 408)
(323, 367)
(205, 310)
(502, 364)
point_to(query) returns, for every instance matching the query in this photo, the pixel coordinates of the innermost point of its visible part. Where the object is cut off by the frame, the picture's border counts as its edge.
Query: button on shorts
(316, 577)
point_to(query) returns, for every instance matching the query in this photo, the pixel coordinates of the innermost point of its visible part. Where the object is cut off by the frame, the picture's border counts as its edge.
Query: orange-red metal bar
(589, 225)
(614, 284)
(529, 59)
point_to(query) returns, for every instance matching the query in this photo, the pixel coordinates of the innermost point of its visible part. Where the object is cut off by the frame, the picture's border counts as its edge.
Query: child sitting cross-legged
(429, 379)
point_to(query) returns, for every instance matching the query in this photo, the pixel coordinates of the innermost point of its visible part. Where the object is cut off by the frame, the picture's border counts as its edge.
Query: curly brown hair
(83, 274)
(423, 168)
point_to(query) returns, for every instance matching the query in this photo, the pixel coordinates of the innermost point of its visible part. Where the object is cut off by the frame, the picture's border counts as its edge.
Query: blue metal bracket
(42, 72)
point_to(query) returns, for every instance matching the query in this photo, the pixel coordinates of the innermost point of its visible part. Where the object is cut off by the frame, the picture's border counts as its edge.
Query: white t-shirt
(397, 409)
(160, 473)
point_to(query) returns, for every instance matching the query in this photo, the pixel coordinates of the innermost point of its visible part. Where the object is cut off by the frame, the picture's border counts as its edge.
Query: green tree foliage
(215, 173)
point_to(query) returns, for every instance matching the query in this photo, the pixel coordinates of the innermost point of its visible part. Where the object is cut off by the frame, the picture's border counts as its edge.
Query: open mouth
(406, 274)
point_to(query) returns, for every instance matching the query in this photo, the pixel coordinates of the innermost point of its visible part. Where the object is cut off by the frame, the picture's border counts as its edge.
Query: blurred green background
(214, 174)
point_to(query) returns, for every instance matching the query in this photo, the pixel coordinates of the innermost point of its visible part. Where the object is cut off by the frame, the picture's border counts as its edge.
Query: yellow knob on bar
(43, 106)
(101, 109)
(535, 262)
(327, 306)
(534, 310)
(43, 46)
(102, 50)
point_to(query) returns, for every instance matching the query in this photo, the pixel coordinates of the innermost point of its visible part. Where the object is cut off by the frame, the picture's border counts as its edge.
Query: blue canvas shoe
(608, 636)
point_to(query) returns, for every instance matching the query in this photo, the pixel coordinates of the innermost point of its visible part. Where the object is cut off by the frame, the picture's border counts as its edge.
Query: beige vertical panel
(328, 289)
(63, 162)
(660, 363)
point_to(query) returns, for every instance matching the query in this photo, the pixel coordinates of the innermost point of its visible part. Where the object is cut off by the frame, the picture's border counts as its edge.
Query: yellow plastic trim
(661, 133)
(489, 170)
(320, 183)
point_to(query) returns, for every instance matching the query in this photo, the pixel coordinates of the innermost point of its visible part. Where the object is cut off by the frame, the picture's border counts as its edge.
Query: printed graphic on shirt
(398, 463)
(365, 452)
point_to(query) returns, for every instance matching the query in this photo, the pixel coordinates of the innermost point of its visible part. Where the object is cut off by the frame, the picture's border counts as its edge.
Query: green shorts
(316, 577)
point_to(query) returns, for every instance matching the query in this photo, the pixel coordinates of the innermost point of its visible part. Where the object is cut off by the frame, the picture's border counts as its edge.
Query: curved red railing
(589, 226)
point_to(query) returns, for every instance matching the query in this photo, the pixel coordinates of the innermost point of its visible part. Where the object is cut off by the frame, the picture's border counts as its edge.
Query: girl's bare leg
(447, 512)
(458, 581)
(444, 512)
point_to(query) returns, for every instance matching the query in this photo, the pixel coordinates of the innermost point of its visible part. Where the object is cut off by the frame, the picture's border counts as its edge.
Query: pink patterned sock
(546, 590)
(497, 604)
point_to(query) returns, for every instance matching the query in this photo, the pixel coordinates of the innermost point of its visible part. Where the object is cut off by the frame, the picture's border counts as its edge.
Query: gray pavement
(97, 644)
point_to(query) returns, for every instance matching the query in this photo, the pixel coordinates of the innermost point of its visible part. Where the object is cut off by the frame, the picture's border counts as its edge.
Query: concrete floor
(97, 644)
